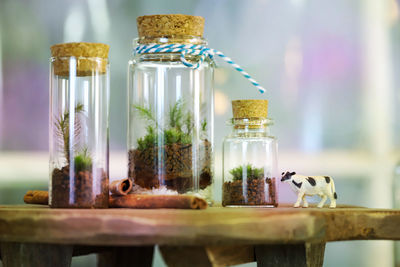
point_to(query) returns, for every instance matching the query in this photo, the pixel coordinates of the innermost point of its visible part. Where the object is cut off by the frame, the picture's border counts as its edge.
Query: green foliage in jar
(83, 160)
(178, 130)
(250, 172)
(62, 125)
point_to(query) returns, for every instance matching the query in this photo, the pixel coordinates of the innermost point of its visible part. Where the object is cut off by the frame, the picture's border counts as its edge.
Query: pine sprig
(178, 130)
(145, 113)
(176, 115)
(62, 125)
(189, 123)
(204, 126)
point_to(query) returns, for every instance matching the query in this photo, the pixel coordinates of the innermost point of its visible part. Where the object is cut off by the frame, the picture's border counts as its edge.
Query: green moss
(178, 130)
(250, 171)
(83, 161)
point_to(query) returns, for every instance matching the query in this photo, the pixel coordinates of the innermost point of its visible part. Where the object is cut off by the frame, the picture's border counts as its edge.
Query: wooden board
(214, 226)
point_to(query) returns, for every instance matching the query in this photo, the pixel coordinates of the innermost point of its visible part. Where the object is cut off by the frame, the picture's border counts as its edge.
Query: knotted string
(195, 50)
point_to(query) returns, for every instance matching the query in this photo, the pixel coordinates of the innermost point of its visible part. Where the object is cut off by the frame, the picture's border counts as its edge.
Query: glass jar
(79, 102)
(249, 157)
(170, 111)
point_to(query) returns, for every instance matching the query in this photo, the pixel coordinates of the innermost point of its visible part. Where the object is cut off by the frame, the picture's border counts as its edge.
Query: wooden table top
(213, 226)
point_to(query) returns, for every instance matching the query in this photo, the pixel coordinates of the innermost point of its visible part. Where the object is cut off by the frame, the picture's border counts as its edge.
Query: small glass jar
(170, 111)
(250, 157)
(79, 102)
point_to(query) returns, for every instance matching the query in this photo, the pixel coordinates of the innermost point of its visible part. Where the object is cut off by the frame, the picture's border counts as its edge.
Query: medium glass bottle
(170, 110)
(79, 100)
(250, 157)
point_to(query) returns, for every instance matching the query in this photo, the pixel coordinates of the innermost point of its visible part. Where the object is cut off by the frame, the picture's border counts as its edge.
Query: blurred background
(330, 68)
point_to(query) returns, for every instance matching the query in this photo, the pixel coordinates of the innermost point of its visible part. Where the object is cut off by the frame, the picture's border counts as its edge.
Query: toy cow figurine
(322, 186)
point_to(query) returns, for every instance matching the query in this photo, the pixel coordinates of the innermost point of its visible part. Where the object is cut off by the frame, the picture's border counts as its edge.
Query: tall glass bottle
(170, 110)
(79, 99)
(250, 157)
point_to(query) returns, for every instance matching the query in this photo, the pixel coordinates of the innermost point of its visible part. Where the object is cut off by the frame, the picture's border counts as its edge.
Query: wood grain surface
(213, 226)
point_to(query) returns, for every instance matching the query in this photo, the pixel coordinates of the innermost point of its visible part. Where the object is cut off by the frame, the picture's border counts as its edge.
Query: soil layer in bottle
(254, 193)
(90, 189)
(170, 165)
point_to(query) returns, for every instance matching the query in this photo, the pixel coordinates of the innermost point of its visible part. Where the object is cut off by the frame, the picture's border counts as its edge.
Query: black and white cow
(322, 186)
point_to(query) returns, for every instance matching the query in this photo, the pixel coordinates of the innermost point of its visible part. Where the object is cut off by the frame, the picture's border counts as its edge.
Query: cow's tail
(333, 189)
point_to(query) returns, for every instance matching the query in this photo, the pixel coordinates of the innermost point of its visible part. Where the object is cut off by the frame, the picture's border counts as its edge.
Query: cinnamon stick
(36, 197)
(157, 202)
(121, 187)
(133, 201)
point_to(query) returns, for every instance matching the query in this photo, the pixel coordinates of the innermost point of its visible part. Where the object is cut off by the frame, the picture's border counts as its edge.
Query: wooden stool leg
(230, 255)
(208, 255)
(315, 253)
(35, 255)
(302, 255)
(183, 256)
(126, 257)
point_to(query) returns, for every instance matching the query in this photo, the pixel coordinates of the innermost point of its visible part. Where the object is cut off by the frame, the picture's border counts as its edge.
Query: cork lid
(170, 25)
(90, 58)
(251, 108)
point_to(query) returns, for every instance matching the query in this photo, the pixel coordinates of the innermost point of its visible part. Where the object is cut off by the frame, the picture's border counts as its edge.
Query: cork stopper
(154, 26)
(90, 58)
(248, 109)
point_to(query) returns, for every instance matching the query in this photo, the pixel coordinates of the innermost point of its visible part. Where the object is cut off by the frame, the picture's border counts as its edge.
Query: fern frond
(62, 128)
(79, 108)
(77, 133)
(189, 123)
(179, 128)
(145, 113)
(176, 115)
(204, 126)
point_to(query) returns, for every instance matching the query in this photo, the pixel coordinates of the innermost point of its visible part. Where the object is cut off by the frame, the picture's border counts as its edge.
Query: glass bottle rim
(51, 59)
(250, 122)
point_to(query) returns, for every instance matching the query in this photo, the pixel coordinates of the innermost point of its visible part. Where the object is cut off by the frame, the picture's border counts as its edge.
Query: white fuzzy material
(202, 193)
(162, 190)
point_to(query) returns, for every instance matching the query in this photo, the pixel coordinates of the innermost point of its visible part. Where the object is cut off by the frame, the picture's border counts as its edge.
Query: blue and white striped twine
(196, 50)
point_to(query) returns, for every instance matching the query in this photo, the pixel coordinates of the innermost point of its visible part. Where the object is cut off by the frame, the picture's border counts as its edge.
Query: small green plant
(250, 171)
(82, 160)
(178, 130)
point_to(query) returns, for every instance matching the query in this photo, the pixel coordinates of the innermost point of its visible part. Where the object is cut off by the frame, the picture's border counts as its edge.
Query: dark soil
(232, 193)
(88, 192)
(170, 165)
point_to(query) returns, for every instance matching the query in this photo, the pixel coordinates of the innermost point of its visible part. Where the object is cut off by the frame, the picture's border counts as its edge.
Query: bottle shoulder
(167, 59)
(239, 138)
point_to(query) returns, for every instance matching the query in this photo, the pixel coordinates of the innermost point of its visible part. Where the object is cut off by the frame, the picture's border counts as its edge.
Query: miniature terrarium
(79, 96)
(249, 157)
(170, 125)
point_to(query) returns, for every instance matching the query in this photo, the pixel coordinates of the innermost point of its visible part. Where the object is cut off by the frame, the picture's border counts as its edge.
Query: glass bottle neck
(170, 56)
(172, 39)
(257, 127)
(251, 132)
